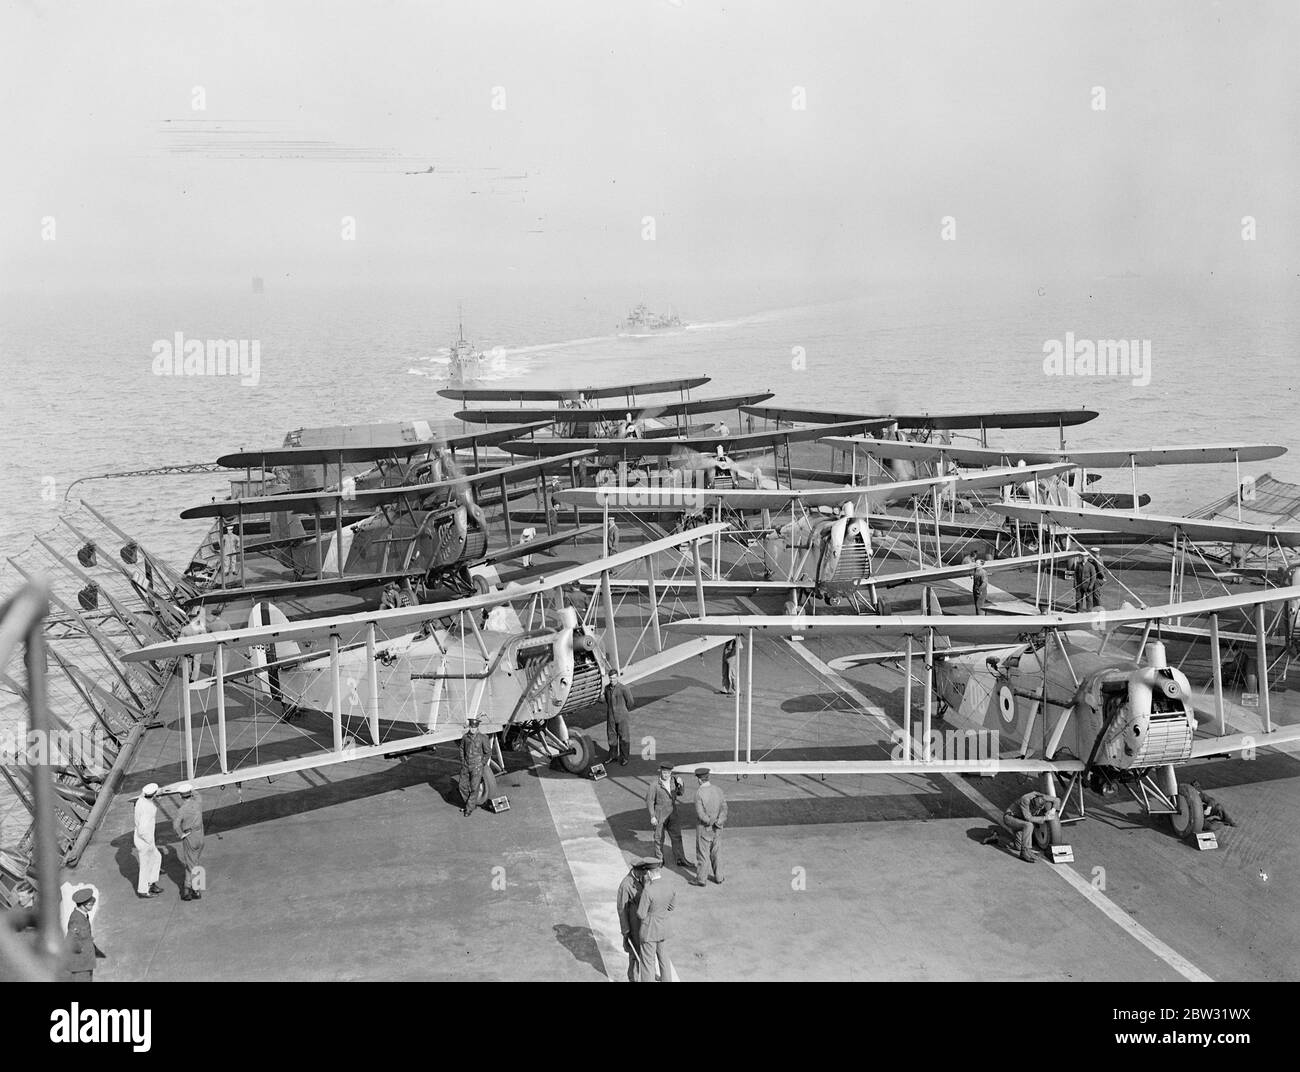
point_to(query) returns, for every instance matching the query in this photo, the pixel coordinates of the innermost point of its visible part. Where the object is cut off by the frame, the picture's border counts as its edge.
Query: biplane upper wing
(1021, 418)
(1110, 458)
(1156, 526)
(275, 456)
(972, 628)
(587, 414)
(690, 499)
(731, 444)
(323, 502)
(350, 628)
(530, 394)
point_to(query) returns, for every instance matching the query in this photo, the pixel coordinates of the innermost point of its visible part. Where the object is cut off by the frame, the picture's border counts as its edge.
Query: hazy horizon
(613, 113)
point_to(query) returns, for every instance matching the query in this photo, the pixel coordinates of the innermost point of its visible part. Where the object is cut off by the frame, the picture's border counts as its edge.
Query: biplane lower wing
(298, 589)
(1155, 526)
(947, 573)
(1204, 747)
(317, 760)
(541, 543)
(706, 444)
(662, 498)
(889, 766)
(710, 586)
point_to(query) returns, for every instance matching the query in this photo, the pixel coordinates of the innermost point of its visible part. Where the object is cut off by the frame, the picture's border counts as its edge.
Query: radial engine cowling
(1150, 724)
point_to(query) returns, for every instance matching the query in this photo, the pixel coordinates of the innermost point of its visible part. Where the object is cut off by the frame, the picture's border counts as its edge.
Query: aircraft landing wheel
(1189, 819)
(1048, 834)
(580, 754)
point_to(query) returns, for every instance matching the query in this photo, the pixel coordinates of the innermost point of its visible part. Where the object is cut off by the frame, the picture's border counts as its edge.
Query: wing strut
(654, 600)
(929, 694)
(372, 686)
(749, 693)
(219, 672)
(907, 704)
(1217, 666)
(607, 602)
(185, 716)
(1261, 660)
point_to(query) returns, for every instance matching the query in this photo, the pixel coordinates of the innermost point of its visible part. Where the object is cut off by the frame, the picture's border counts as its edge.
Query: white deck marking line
(594, 858)
(1099, 900)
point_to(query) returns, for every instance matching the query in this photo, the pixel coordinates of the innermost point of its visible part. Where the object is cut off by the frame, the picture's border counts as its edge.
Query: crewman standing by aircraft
(229, 553)
(618, 719)
(188, 825)
(146, 850)
(1088, 581)
(80, 946)
(711, 817)
(475, 754)
(1025, 813)
(1098, 580)
(629, 894)
(661, 802)
(656, 901)
(730, 665)
(979, 587)
(392, 597)
(196, 626)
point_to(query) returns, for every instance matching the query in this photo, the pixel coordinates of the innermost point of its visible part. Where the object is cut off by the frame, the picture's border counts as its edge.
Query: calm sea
(80, 396)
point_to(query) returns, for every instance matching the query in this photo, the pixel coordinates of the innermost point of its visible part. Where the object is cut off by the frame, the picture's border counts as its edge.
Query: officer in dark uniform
(475, 754)
(656, 901)
(81, 948)
(730, 666)
(629, 893)
(979, 588)
(661, 802)
(618, 719)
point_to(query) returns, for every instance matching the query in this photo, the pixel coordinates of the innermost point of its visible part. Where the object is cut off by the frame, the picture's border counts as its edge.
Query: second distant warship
(466, 362)
(643, 319)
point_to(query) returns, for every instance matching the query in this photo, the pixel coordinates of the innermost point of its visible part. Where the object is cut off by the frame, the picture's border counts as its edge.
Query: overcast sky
(615, 111)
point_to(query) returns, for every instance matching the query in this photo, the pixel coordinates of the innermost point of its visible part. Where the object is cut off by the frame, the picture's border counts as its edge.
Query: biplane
(586, 419)
(1062, 692)
(713, 452)
(629, 392)
(925, 427)
(829, 537)
(1085, 461)
(408, 678)
(418, 521)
